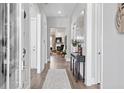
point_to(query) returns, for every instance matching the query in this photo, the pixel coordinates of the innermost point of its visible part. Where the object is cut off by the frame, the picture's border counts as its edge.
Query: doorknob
(24, 52)
(34, 48)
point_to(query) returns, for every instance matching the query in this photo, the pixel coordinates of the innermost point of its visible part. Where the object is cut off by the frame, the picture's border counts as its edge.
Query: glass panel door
(14, 47)
(3, 45)
(9, 61)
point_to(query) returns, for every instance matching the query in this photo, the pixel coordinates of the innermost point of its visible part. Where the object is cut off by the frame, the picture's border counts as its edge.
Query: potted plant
(64, 53)
(75, 44)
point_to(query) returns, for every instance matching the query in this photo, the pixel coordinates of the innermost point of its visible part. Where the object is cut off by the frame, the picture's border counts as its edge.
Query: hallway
(40, 42)
(57, 62)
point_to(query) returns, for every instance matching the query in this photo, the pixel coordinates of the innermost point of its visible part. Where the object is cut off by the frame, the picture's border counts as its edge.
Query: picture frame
(120, 18)
(58, 40)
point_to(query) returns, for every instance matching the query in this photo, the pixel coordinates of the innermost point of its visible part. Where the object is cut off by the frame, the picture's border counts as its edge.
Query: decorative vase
(75, 49)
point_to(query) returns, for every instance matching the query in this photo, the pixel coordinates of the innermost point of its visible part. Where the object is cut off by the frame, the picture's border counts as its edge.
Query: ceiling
(54, 31)
(51, 9)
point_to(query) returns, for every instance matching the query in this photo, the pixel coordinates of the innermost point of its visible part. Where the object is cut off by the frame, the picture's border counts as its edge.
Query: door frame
(38, 39)
(20, 34)
(89, 51)
(101, 75)
(8, 44)
(31, 21)
(20, 45)
(99, 44)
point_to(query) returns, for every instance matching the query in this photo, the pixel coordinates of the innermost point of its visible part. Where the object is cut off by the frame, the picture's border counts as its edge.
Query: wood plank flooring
(57, 62)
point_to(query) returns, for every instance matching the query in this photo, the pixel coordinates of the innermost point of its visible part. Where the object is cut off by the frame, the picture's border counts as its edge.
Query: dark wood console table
(75, 65)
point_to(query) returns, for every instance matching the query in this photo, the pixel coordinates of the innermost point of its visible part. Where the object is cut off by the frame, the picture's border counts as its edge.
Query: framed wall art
(120, 17)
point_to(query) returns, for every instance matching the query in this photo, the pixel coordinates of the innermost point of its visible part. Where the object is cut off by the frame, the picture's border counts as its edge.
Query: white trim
(96, 42)
(88, 62)
(38, 33)
(97, 31)
(100, 40)
(20, 45)
(32, 20)
(29, 49)
(8, 43)
(101, 84)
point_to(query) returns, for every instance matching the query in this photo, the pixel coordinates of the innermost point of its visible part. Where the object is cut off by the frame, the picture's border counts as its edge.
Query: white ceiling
(51, 9)
(57, 31)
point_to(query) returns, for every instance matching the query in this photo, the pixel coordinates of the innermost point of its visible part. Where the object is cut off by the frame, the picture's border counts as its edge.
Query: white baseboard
(91, 82)
(87, 83)
(20, 87)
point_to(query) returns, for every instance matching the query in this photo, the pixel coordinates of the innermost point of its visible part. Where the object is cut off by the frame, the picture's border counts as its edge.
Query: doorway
(58, 41)
(12, 66)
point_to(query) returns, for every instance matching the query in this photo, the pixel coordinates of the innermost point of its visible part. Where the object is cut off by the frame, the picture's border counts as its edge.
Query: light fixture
(82, 12)
(59, 12)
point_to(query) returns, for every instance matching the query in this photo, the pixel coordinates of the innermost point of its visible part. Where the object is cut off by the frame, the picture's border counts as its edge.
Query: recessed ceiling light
(59, 12)
(82, 12)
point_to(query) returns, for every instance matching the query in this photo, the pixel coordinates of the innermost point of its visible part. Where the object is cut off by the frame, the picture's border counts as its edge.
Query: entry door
(99, 42)
(9, 63)
(25, 46)
(14, 48)
(33, 42)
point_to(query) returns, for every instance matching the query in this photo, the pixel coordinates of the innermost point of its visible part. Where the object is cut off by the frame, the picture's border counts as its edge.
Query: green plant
(64, 52)
(74, 43)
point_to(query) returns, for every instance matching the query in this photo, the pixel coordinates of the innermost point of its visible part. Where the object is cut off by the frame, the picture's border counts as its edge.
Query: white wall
(96, 42)
(113, 49)
(68, 33)
(78, 18)
(38, 13)
(35, 14)
(38, 36)
(44, 39)
(89, 32)
(88, 63)
(92, 26)
(25, 43)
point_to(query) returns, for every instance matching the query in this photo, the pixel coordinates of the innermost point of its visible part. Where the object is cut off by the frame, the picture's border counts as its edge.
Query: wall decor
(58, 40)
(120, 17)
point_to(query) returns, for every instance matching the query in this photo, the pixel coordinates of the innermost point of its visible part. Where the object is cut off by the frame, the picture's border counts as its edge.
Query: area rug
(56, 79)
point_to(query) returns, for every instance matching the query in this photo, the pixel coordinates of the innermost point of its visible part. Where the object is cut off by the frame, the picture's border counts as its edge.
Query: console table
(75, 65)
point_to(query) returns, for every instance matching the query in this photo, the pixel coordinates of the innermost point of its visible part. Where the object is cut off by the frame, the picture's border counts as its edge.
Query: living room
(58, 41)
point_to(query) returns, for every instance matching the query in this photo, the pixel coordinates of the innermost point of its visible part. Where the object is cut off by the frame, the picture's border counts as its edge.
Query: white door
(99, 42)
(39, 69)
(33, 43)
(3, 46)
(25, 46)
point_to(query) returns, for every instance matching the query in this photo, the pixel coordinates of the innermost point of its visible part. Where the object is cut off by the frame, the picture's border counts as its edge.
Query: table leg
(83, 71)
(71, 64)
(73, 67)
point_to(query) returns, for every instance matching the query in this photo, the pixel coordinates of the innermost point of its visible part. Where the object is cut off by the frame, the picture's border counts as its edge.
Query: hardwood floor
(57, 62)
